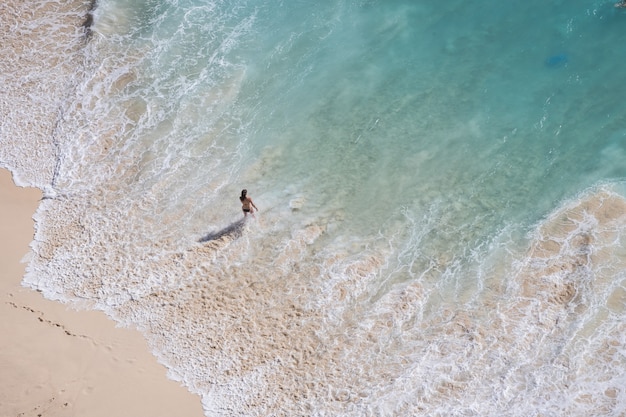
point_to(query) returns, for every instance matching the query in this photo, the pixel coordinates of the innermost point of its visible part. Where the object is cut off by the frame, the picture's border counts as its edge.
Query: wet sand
(55, 361)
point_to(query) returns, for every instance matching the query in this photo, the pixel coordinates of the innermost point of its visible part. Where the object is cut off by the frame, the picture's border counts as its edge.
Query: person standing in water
(247, 204)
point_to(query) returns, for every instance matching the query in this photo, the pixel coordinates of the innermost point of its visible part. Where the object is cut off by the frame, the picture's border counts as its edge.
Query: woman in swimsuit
(247, 204)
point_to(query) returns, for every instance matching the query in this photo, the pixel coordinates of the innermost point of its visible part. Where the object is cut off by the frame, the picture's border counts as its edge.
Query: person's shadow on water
(233, 230)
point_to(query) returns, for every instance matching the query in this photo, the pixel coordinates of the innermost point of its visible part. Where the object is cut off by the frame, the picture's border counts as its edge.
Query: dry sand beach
(59, 362)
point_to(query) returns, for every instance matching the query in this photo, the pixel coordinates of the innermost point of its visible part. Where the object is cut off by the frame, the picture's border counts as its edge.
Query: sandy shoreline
(58, 362)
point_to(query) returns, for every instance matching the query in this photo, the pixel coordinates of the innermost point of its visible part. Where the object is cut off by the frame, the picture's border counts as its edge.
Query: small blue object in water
(556, 61)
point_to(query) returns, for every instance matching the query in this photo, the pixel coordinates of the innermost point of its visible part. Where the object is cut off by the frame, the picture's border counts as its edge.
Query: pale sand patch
(58, 362)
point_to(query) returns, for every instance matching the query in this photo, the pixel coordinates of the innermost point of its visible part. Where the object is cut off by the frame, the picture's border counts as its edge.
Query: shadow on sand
(233, 230)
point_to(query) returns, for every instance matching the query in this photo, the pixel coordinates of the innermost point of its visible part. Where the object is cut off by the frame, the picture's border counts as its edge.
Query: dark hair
(243, 195)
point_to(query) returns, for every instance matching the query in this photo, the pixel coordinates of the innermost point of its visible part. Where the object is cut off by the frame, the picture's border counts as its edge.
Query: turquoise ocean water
(440, 189)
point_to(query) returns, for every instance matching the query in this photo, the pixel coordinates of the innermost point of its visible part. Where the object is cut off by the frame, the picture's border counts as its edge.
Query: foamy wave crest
(547, 338)
(40, 71)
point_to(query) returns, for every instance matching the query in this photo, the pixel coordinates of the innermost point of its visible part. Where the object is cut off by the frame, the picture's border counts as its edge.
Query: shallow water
(440, 193)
